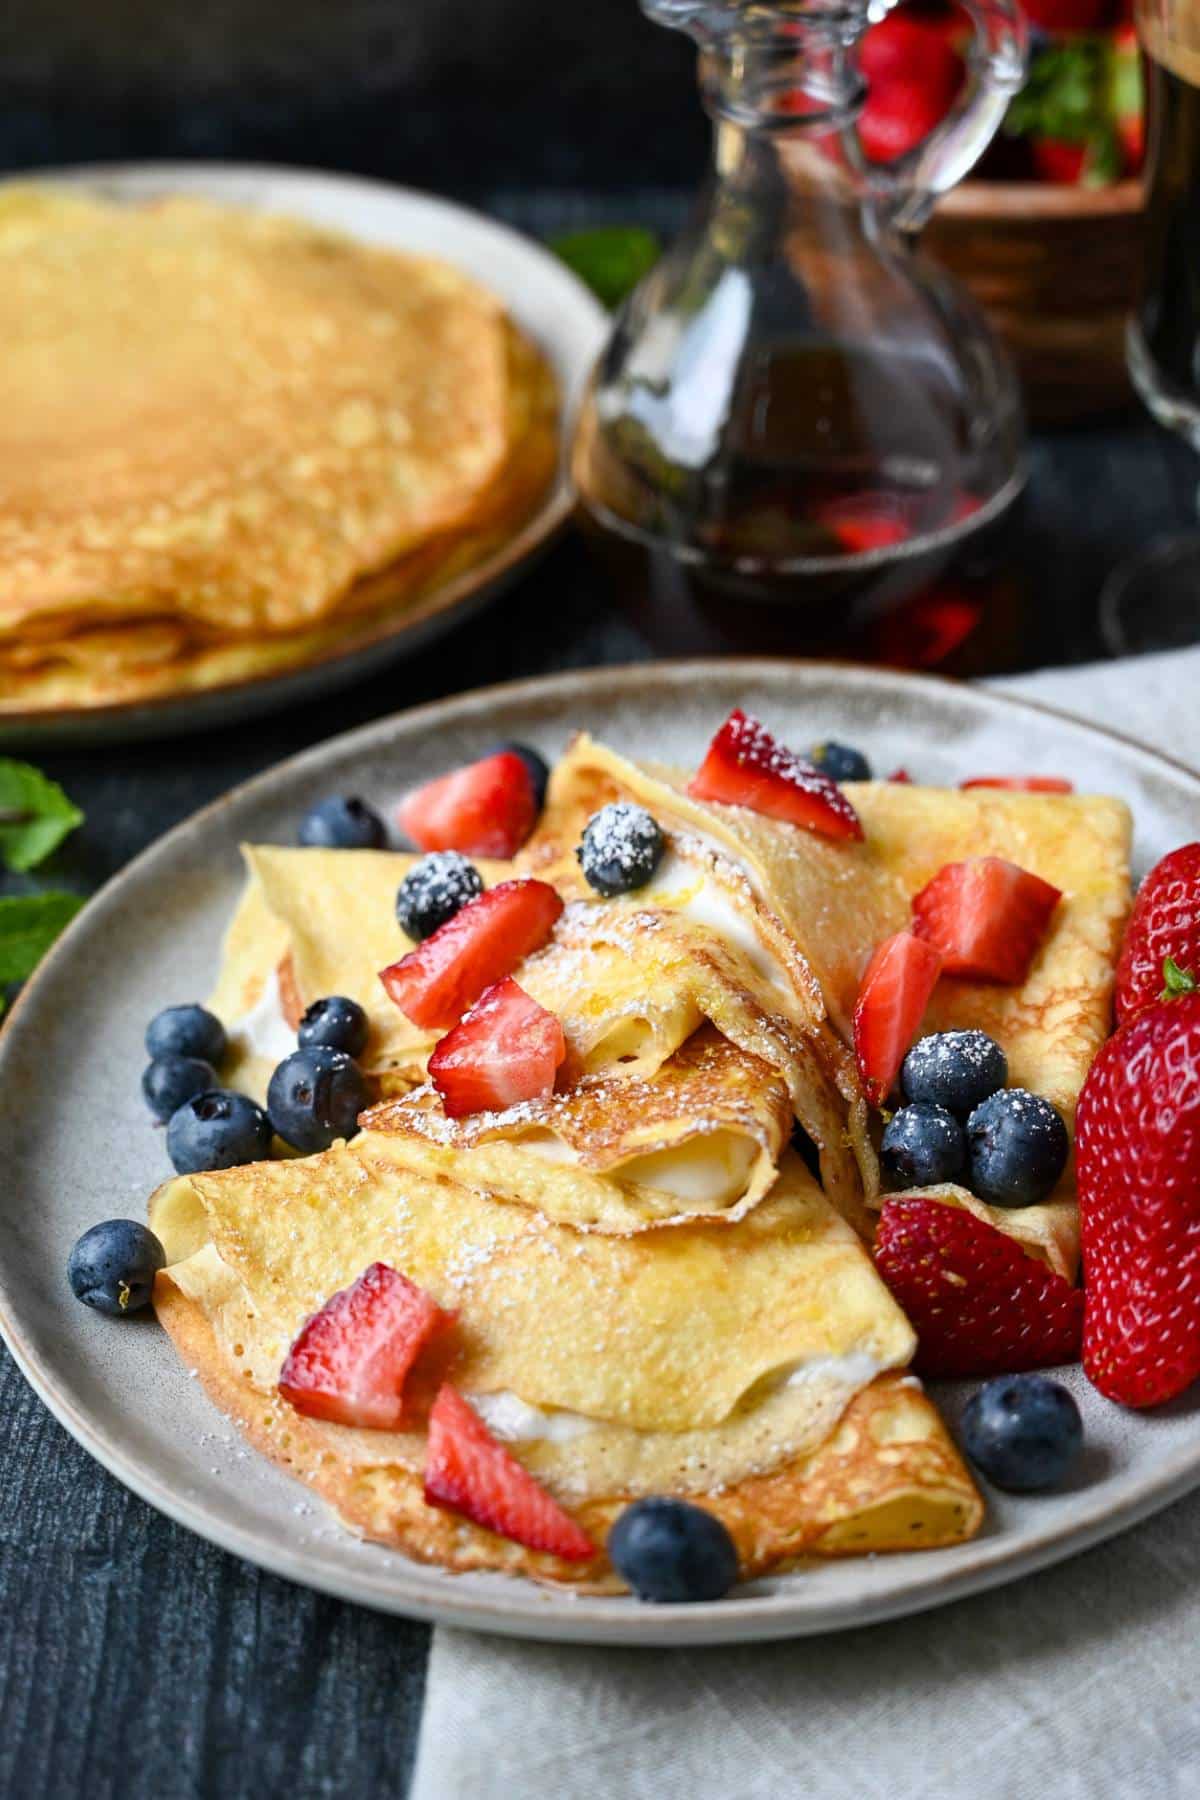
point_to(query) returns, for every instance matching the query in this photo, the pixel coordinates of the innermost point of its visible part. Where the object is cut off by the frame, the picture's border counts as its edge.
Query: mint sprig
(610, 259)
(35, 815)
(29, 924)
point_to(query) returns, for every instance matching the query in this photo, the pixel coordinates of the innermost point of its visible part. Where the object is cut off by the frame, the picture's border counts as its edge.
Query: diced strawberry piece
(435, 983)
(902, 776)
(744, 766)
(350, 1360)
(487, 808)
(1022, 784)
(987, 917)
(891, 1004)
(978, 1302)
(1137, 1159)
(468, 1472)
(505, 1050)
(1165, 922)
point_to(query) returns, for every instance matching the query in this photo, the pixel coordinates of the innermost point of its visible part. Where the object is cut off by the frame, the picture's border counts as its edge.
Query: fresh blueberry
(622, 846)
(922, 1146)
(112, 1266)
(316, 1096)
(217, 1130)
(170, 1080)
(1023, 1431)
(539, 768)
(670, 1550)
(1017, 1147)
(434, 889)
(954, 1069)
(841, 762)
(186, 1031)
(339, 1023)
(342, 823)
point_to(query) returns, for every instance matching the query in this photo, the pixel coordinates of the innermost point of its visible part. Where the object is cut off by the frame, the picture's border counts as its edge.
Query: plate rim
(446, 603)
(529, 1611)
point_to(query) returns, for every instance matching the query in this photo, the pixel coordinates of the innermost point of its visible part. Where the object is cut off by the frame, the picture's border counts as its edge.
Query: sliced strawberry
(350, 1360)
(487, 808)
(1022, 784)
(468, 1472)
(978, 1302)
(891, 1004)
(744, 766)
(505, 1050)
(1165, 922)
(987, 917)
(435, 983)
(1137, 1158)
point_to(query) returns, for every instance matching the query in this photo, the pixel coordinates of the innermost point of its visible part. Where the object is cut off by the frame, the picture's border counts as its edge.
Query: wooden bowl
(1055, 269)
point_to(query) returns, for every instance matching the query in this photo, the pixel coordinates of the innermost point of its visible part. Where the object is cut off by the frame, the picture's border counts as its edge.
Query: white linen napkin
(1079, 1683)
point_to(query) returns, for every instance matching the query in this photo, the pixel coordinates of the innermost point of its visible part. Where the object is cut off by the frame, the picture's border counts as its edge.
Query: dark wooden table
(135, 1659)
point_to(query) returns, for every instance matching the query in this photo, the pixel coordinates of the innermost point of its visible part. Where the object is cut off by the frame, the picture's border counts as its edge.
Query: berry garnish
(434, 889)
(186, 1031)
(336, 1022)
(1022, 784)
(954, 1069)
(487, 808)
(670, 1550)
(841, 762)
(922, 1146)
(436, 983)
(170, 1080)
(891, 1004)
(621, 847)
(506, 1049)
(1017, 1148)
(1165, 922)
(902, 777)
(979, 1304)
(112, 1267)
(744, 766)
(343, 822)
(350, 1360)
(535, 762)
(1137, 1157)
(987, 917)
(1023, 1431)
(315, 1097)
(217, 1130)
(468, 1472)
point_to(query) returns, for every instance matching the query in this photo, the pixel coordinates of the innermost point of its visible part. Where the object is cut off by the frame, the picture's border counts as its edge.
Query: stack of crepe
(232, 443)
(655, 1291)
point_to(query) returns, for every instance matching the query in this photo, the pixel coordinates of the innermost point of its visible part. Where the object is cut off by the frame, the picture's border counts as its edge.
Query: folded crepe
(756, 1366)
(821, 907)
(631, 987)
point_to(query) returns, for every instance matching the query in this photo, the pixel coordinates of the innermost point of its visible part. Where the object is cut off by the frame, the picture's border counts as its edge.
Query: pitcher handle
(996, 64)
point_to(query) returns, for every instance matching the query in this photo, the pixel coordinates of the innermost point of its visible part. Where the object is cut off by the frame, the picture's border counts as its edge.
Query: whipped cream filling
(509, 1417)
(263, 1031)
(711, 1169)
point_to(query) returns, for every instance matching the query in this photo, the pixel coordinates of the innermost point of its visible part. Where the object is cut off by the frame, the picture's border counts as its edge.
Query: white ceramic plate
(540, 293)
(77, 1145)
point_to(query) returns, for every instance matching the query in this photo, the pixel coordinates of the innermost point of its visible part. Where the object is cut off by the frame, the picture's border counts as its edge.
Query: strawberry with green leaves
(1080, 109)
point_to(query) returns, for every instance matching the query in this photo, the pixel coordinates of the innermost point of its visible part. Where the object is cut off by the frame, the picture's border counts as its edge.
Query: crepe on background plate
(234, 443)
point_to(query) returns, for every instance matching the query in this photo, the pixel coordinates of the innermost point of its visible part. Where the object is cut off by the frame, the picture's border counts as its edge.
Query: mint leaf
(29, 924)
(35, 815)
(610, 259)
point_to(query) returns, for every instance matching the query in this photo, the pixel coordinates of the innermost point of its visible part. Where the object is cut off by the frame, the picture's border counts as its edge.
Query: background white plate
(547, 301)
(78, 1146)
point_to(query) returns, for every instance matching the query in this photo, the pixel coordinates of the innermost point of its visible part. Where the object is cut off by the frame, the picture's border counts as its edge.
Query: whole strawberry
(1165, 922)
(1137, 1156)
(978, 1302)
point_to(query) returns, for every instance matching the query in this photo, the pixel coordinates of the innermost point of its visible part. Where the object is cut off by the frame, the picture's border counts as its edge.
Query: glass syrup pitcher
(795, 408)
